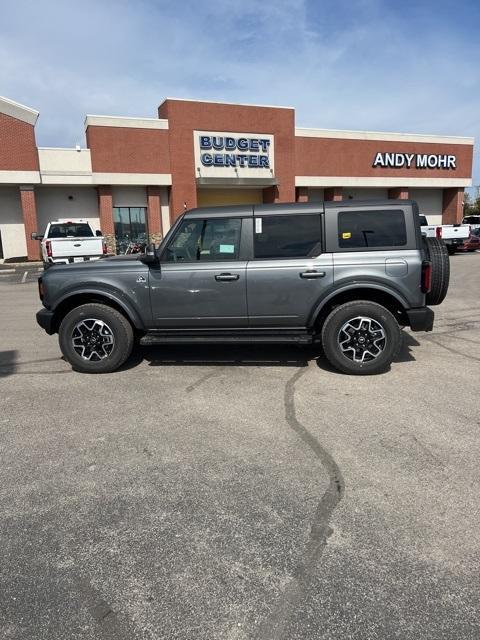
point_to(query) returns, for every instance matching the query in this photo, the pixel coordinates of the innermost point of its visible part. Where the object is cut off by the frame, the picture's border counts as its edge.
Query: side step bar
(158, 338)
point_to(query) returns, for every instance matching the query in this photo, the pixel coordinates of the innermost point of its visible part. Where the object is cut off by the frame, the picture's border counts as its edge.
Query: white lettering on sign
(389, 160)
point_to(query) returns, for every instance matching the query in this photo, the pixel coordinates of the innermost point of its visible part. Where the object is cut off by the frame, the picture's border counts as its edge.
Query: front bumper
(45, 320)
(420, 319)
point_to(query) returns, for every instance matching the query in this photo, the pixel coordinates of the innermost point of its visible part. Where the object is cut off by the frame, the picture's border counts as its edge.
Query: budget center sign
(224, 154)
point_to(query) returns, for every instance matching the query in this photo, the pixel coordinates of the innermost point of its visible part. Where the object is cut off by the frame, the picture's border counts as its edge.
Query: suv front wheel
(361, 338)
(95, 338)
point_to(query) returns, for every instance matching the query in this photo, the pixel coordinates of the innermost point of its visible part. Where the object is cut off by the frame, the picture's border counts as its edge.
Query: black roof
(247, 210)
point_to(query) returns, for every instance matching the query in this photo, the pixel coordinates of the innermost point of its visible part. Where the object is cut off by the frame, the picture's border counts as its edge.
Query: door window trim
(332, 230)
(242, 252)
(272, 214)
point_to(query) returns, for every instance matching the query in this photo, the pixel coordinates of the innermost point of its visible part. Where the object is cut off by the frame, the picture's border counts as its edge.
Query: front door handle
(227, 277)
(311, 274)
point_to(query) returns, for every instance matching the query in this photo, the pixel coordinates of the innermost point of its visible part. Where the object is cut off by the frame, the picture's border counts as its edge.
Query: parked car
(67, 241)
(471, 244)
(345, 274)
(452, 235)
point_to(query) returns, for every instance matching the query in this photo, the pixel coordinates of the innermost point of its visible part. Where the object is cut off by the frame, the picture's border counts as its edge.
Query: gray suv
(346, 274)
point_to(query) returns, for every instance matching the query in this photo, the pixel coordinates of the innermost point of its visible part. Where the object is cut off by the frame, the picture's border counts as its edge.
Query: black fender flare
(340, 289)
(111, 294)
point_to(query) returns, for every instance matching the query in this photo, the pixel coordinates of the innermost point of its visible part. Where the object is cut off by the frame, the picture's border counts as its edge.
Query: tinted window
(358, 229)
(214, 240)
(72, 230)
(296, 236)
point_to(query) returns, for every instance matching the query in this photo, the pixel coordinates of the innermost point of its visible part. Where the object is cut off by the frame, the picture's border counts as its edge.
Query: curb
(11, 267)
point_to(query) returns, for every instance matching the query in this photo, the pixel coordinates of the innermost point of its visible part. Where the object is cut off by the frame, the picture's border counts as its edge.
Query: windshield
(70, 230)
(423, 221)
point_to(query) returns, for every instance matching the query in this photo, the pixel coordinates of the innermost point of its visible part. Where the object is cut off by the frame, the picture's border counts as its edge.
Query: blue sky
(382, 65)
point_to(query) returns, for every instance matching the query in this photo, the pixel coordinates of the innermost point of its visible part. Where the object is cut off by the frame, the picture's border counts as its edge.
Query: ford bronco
(346, 274)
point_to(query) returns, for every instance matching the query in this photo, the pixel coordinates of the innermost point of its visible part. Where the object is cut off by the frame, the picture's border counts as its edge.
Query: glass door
(131, 232)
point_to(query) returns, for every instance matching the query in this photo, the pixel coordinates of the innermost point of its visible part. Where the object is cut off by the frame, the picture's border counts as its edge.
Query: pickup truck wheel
(95, 338)
(451, 248)
(437, 253)
(361, 338)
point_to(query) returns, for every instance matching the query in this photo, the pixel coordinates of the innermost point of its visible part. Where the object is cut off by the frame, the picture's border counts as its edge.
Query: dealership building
(135, 176)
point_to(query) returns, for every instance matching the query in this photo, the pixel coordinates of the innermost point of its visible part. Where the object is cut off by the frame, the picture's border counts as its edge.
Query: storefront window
(130, 227)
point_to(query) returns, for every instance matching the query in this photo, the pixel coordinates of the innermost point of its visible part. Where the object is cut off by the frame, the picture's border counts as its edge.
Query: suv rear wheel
(95, 338)
(361, 338)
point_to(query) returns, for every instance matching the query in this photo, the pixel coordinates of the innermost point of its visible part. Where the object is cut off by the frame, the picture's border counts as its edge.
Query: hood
(132, 262)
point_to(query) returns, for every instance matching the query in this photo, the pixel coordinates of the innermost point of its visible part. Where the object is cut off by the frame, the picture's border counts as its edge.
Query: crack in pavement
(204, 378)
(274, 627)
(451, 349)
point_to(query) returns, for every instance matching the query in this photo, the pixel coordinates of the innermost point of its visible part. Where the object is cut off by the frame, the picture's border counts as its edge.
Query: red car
(471, 244)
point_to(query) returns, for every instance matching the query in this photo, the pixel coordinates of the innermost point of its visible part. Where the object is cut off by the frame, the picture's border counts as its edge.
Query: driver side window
(211, 240)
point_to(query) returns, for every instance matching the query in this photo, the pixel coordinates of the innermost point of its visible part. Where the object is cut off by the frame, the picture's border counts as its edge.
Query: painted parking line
(5, 271)
(24, 277)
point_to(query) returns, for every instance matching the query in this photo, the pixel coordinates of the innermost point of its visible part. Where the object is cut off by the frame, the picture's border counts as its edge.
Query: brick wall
(185, 116)
(352, 158)
(128, 150)
(18, 149)
(398, 193)
(452, 205)
(154, 215)
(29, 211)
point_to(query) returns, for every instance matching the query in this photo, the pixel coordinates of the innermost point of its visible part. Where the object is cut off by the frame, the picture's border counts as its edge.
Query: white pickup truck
(72, 240)
(451, 234)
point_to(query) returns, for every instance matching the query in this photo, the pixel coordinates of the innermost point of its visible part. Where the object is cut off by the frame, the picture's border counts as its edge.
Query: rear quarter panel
(396, 269)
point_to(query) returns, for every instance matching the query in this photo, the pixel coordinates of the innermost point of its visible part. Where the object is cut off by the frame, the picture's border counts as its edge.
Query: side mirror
(98, 233)
(150, 255)
(36, 236)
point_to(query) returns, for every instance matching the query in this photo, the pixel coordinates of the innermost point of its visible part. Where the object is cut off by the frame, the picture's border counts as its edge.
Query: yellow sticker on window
(346, 236)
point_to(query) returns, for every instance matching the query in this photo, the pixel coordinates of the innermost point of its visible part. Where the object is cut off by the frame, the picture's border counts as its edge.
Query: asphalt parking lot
(247, 493)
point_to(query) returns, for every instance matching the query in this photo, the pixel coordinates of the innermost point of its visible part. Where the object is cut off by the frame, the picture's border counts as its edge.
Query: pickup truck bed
(67, 241)
(451, 234)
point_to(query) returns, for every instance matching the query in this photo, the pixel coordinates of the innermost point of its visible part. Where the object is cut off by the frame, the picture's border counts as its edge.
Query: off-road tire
(452, 249)
(437, 253)
(119, 326)
(348, 311)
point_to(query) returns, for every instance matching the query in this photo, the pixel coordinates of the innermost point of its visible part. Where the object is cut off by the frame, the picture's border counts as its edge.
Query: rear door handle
(227, 277)
(311, 274)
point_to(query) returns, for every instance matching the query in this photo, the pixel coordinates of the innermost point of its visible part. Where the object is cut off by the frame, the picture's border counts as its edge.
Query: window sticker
(346, 235)
(258, 225)
(227, 248)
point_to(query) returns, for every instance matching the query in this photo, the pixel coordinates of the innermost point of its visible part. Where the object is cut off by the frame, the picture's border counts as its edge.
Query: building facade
(137, 175)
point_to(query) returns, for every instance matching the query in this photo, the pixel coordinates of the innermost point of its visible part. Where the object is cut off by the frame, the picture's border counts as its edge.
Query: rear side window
(359, 229)
(296, 236)
(70, 230)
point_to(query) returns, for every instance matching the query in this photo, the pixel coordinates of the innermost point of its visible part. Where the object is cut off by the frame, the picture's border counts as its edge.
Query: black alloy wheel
(361, 338)
(94, 338)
